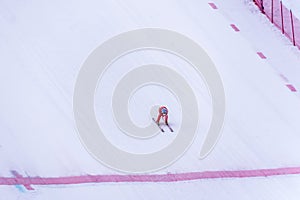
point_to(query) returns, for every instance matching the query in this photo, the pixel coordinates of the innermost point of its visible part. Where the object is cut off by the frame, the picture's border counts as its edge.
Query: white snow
(43, 45)
(293, 5)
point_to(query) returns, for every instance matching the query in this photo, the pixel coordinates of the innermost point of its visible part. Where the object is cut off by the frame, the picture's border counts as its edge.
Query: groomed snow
(44, 45)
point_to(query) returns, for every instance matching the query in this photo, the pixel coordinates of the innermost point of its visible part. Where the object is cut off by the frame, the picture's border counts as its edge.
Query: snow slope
(293, 5)
(44, 46)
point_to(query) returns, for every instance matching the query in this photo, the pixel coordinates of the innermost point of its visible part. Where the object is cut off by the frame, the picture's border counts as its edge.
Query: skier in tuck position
(162, 114)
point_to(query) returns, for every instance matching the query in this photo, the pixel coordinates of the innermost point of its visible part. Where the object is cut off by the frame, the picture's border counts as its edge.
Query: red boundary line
(26, 184)
(235, 28)
(291, 87)
(261, 55)
(212, 5)
(28, 181)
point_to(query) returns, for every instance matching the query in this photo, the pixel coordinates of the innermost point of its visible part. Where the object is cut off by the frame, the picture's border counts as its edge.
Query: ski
(161, 129)
(170, 127)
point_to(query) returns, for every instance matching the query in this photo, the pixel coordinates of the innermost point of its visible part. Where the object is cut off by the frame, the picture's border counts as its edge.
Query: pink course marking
(28, 181)
(291, 87)
(261, 55)
(234, 27)
(18, 177)
(212, 5)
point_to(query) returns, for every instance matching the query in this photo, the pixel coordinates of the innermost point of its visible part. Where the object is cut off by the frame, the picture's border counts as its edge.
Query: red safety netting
(259, 3)
(282, 17)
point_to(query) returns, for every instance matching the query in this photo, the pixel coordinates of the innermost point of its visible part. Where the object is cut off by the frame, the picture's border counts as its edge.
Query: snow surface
(293, 5)
(43, 45)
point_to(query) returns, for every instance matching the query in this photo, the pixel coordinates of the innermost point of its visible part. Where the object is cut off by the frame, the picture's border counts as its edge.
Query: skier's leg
(166, 119)
(158, 118)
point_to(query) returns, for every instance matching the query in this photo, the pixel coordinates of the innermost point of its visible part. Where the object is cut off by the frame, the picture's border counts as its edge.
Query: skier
(162, 113)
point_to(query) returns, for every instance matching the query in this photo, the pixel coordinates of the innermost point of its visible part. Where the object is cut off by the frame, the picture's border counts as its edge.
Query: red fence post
(272, 11)
(293, 31)
(281, 11)
(262, 6)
